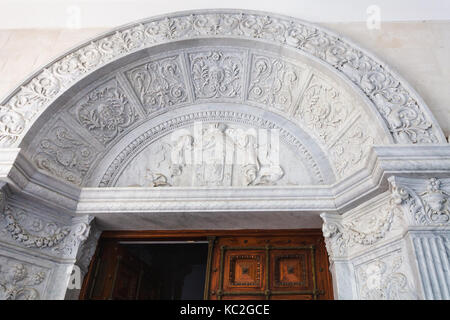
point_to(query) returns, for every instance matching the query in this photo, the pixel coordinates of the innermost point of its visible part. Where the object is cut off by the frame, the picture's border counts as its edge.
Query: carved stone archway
(104, 131)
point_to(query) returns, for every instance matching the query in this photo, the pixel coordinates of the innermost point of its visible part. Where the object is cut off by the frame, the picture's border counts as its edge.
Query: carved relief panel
(64, 154)
(384, 278)
(105, 112)
(21, 280)
(159, 84)
(216, 154)
(217, 74)
(274, 83)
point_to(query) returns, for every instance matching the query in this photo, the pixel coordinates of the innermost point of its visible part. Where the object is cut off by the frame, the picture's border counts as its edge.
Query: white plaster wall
(418, 50)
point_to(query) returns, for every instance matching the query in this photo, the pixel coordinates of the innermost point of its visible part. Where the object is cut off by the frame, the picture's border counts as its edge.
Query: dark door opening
(152, 271)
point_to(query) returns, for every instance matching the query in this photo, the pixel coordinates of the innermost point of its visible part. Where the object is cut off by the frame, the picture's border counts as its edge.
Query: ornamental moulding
(405, 115)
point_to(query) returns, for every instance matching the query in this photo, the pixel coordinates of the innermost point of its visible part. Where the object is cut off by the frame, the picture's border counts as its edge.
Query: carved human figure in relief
(215, 155)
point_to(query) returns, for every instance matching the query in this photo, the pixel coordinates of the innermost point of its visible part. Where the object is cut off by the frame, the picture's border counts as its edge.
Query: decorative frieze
(404, 114)
(22, 227)
(344, 234)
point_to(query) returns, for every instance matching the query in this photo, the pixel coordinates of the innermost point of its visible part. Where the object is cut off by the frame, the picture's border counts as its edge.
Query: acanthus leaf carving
(323, 108)
(351, 151)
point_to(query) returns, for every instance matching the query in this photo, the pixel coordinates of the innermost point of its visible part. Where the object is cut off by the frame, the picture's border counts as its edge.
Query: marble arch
(86, 137)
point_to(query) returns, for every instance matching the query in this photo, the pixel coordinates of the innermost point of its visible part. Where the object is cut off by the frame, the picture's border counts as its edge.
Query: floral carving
(403, 113)
(20, 281)
(382, 279)
(323, 109)
(65, 155)
(106, 112)
(159, 84)
(216, 74)
(274, 83)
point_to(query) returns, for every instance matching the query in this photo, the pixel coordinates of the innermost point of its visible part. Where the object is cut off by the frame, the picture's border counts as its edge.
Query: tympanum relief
(215, 154)
(159, 85)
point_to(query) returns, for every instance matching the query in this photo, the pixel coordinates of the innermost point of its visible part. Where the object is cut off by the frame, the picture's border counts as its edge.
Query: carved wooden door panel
(270, 267)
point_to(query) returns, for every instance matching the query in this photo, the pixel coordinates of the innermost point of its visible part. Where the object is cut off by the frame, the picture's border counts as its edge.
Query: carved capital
(425, 202)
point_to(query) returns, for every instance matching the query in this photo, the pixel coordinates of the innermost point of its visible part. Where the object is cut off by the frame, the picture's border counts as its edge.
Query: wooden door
(270, 267)
(242, 264)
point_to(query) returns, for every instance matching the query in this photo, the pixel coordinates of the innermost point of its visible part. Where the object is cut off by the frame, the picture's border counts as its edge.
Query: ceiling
(19, 14)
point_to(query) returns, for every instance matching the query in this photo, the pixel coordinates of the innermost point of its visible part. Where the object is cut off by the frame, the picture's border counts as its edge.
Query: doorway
(194, 265)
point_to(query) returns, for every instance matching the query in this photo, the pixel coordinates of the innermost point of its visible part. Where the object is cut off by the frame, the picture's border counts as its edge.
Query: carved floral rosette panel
(404, 114)
(21, 280)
